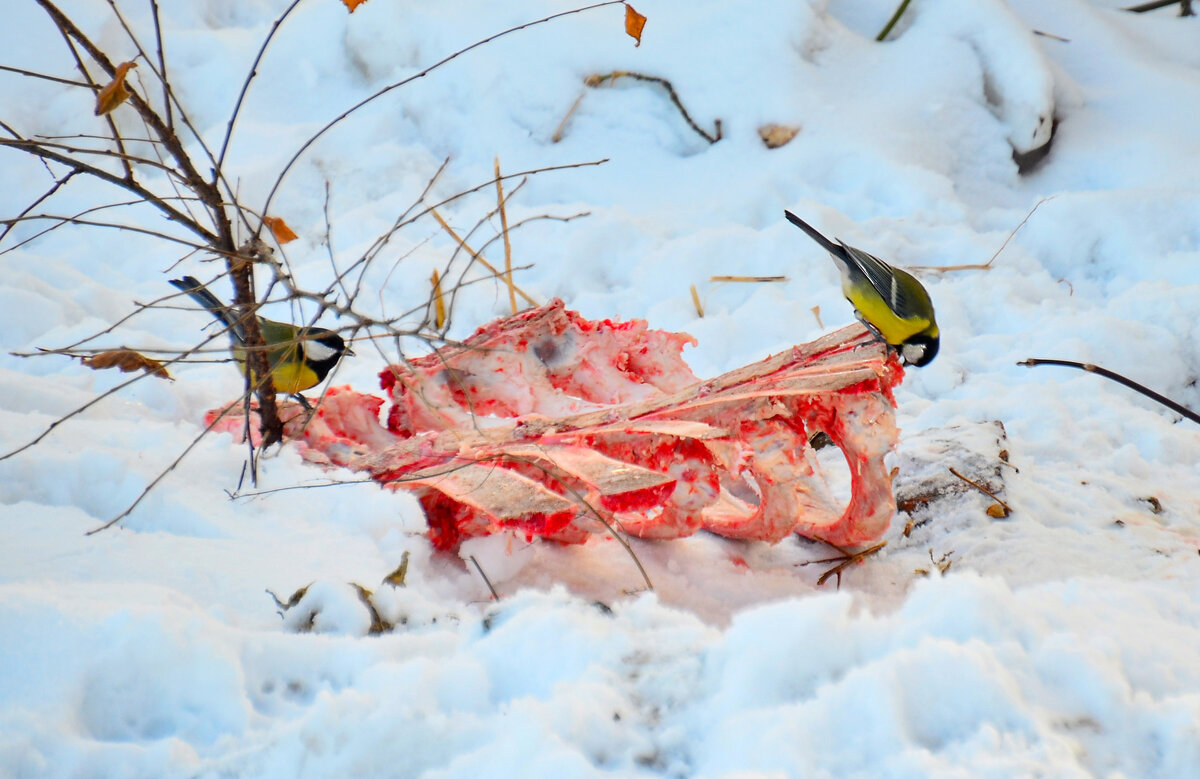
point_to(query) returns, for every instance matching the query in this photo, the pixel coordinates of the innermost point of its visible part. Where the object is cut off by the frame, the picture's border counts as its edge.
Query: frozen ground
(1062, 641)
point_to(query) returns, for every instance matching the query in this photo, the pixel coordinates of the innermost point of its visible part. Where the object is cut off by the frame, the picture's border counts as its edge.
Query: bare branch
(48, 77)
(396, 85)
(237, 106)
(11, 223)
(36, 149)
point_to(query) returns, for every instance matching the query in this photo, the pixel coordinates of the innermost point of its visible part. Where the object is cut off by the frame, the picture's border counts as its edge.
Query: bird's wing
(883, 278)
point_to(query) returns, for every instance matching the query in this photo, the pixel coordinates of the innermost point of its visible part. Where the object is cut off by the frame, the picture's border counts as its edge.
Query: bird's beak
(349, 352)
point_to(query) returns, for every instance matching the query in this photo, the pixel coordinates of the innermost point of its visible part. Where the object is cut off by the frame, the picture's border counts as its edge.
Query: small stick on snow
(844, 561)
(486, 580)
(986, 265)
(982, 489)
(1178, 408)
(597, 80)
(560, 131)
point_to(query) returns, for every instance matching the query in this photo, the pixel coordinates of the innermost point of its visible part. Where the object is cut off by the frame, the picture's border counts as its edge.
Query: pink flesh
(549, 423)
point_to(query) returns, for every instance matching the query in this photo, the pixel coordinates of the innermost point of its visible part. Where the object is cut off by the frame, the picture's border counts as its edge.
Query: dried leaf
(115, 92)
(280, 229)
(776, 135)
(127, 361)
(997, 511)
(353, 4)
(634, 22)
(396, 577)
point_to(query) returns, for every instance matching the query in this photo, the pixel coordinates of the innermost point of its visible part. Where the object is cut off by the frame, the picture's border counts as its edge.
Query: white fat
(912, 353)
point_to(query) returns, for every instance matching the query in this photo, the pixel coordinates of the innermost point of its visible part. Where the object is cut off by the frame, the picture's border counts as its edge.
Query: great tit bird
(300, 357)
(890, 302)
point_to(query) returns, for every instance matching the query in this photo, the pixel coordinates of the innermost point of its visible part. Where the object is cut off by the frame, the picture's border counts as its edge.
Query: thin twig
(1178, 408)
(844, 561)
(39, 150)
(484, 576)
(79, 410)
(887, 28)
(597, 80)
(237, 106)
(1154, 5)
(982, 489)
(420, 74)
(987, 265)
(477, 256)
(11, 223)
(562, 126)
(48, 77)
(1051, 36)
(163, 474)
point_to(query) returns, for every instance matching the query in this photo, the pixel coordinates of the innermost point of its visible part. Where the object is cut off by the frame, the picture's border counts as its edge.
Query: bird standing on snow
(890, 302)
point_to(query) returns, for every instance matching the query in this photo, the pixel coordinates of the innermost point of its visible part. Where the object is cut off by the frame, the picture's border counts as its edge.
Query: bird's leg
(874, 330)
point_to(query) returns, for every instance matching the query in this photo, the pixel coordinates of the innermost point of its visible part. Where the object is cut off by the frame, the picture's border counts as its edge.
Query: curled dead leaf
(634, 22)
(396, 577)
(115, 92)
(353, 4)
(776, 135)
(127, 361)
(280, 229)
(997, 511)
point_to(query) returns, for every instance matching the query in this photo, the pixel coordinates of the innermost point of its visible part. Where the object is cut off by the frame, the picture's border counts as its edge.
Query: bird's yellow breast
(873, 308)
(288, 371)
(293, 377)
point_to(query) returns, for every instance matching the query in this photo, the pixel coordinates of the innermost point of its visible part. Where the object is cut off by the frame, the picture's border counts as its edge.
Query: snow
(1061, 641)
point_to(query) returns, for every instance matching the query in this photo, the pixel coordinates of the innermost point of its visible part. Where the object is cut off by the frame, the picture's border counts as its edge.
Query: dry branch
(600, 79)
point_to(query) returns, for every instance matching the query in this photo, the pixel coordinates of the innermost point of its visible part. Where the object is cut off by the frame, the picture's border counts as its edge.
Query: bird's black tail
(201, 294)
(828, 245)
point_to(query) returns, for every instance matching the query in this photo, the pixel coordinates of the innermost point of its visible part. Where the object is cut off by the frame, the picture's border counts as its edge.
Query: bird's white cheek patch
(315, 351)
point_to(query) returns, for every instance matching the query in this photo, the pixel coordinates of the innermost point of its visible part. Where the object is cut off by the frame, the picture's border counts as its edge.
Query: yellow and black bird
(300, 357)
(890, 302)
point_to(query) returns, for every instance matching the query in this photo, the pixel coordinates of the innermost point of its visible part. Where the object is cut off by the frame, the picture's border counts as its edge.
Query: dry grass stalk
(508, 276)
(478, 257)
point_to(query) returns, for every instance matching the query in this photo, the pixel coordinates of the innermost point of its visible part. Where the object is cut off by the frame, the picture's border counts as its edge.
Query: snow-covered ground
(1061, 641)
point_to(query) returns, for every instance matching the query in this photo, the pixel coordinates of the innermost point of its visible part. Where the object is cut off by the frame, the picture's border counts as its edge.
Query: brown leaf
(127, 361)
(634, 22)
(776, 135)
(279, 228)
(997, 511)
(353, 4)
(115, 93)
